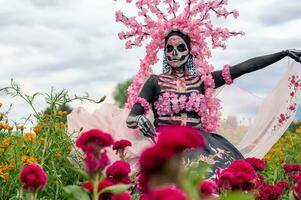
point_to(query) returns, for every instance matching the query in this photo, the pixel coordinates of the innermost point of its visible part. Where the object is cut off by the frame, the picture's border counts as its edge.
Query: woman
(177, 97)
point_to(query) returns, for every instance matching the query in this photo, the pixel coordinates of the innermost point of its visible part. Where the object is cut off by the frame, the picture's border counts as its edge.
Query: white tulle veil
(267, 126)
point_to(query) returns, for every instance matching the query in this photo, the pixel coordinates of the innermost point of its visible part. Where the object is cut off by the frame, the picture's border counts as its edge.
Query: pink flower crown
(156, 18)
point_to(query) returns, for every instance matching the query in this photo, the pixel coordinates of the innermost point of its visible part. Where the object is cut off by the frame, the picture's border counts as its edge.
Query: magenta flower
(33, 177)
(169, 193)
(96, 163)
(207, 188)
(93, 140)
(121, 145)
(119, 172)
(122, 196)
(238, 175)
(258, 164)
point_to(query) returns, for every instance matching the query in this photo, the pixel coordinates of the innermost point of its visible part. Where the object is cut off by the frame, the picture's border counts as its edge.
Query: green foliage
(49, 146)
(74, 192)
(115, 189)
(120, 94)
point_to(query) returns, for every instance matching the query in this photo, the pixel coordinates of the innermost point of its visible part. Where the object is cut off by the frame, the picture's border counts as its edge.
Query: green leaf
(82, 173)
(115, 189)
(196, 174)
(237, 196)
(74, 192)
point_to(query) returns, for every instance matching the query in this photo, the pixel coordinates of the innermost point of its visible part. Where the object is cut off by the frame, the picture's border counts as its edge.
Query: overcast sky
(73, 44)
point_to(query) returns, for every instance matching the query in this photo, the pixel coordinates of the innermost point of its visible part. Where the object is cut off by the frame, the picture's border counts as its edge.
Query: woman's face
(176, 51)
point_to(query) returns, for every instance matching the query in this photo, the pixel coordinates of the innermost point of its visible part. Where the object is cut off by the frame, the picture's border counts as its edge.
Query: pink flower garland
(171, 103)
(143, 102)
(227, 75)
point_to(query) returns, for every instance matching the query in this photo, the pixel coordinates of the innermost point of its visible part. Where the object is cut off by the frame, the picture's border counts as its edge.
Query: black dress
(218, 151)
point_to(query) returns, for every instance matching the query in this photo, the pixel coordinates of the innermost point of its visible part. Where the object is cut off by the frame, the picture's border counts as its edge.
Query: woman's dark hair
(186, 38)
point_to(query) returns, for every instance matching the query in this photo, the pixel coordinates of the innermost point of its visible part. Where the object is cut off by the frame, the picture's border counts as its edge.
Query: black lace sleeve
(147, 92)
(248, 66)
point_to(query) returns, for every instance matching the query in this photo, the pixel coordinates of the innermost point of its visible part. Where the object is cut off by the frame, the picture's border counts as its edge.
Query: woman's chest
(180, 85)
(177, 95)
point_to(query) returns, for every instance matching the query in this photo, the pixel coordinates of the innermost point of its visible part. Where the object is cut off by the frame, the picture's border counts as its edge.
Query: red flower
(121, 145)
(178, 138)
(93, 140)
(256, 163)
(96, 163)
(238, 175)
(207, 188)
(268, 191)
(122, 196)
(153, 158)
(165, 194)
(33, 177)
(87, 186)
(118, 172)
(291, 168)
(283, 184)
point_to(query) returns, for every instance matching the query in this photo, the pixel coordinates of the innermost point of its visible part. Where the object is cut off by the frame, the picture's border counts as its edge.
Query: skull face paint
(176, 51)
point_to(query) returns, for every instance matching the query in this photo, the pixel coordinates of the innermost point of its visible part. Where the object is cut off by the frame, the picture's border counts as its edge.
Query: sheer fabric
(275, 114)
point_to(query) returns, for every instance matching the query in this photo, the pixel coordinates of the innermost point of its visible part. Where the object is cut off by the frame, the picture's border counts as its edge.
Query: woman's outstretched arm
(254, 64)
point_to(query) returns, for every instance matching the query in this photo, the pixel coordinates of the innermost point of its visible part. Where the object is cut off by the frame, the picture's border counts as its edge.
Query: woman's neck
(178, 72)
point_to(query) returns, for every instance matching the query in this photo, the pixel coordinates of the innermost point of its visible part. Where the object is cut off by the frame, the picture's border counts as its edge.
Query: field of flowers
(35, 162)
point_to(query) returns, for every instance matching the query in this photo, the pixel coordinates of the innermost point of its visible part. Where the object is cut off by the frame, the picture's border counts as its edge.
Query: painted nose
(174, 53)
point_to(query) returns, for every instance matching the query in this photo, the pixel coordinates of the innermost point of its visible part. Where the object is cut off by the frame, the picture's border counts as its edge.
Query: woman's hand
(294, 54)
(146, 127)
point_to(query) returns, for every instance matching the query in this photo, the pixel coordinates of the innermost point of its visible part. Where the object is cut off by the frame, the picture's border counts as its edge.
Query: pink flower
(121, 145)
(256, 163)
(165, 194)
(118, 172)
(33, 177)
(207, 188)
(96, 163)
(93, 140)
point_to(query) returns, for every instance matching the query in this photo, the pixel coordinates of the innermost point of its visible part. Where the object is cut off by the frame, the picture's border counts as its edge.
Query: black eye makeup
(181, 47)
(169, 48)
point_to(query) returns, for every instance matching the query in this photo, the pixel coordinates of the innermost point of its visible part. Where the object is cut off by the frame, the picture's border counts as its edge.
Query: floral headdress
(157, 18)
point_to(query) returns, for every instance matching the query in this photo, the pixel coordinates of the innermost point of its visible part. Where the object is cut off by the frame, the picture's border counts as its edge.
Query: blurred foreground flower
(33, 177)
(162, 163)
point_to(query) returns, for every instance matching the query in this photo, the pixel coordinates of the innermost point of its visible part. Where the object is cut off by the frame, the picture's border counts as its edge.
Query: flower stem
(32, 195)
(95, 182)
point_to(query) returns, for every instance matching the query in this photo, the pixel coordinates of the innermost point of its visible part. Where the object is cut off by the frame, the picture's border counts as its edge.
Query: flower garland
(227, 75)
(157, 19)
(143, 102)
(171, 103)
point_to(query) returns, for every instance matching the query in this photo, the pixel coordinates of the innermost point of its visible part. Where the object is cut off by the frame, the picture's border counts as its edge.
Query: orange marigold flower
(4, 175)
(42, 139)
(37, 130)
(6, 142)
(28, 160)
(61, 113)
(30, 137)
(298, 130)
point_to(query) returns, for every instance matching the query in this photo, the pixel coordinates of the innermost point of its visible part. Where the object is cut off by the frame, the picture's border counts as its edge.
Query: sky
(73, 44)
